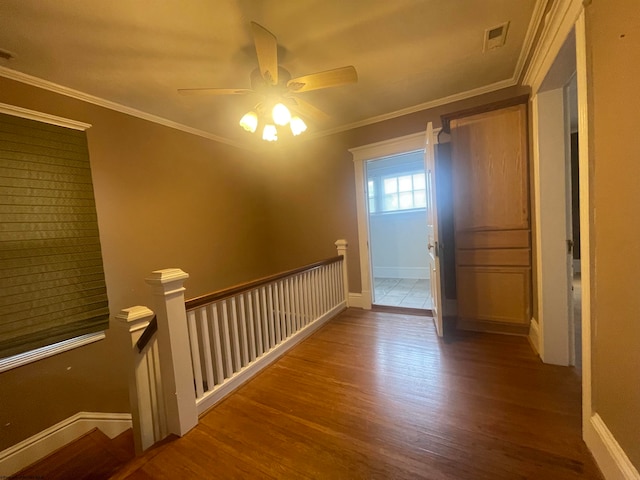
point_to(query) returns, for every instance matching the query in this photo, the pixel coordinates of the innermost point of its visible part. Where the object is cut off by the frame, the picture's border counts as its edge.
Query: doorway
(406, 145)
(556, 197)
(396, 208)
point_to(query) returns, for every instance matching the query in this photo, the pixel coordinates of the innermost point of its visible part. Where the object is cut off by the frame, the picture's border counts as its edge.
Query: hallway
(378, 395)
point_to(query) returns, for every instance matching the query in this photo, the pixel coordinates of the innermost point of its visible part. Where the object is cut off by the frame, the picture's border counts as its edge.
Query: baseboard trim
(534, 336)
(23, 454)
(355, 300)
(609, 455)
(401, 272)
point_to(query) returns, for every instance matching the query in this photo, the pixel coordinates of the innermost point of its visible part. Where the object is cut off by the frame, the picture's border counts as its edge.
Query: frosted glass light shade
(297, 126)
(249, 121)
(270, 134)
(281, 114)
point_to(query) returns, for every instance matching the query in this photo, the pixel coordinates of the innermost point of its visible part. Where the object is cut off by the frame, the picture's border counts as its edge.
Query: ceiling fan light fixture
(249, 121)
(281, 114)
(270, 133)
(297, 126)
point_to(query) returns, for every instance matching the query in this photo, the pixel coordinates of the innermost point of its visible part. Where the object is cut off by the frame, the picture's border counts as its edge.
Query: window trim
(31, 356)
(46, 351)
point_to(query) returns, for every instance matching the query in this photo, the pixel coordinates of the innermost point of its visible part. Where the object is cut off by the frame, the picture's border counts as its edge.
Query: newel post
(130, 324)
(174, 350)
(341, 246)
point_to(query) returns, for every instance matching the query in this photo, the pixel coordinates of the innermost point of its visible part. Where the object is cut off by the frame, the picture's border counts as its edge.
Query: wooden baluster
(195, 353)
(217, 347)
(228, 352)
(266, 322)
(296, 296)
(242, 322)
(307, 298)
(288, 307)
(206, 347)
(276, 313)
(272, 314)
(252, 330)
(235, 337)
(259, 322)
(282, 309)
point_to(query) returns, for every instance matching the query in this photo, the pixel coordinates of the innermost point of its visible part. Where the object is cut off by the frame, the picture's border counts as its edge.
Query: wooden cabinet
(492, 218)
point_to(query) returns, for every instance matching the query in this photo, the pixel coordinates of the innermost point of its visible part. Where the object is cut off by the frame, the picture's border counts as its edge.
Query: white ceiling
(409, 54)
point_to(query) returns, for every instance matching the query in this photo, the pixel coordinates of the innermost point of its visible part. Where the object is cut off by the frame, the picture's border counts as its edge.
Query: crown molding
(558, 22)
(510, 82)
(101, 102)
(527, 47)
(42, 117)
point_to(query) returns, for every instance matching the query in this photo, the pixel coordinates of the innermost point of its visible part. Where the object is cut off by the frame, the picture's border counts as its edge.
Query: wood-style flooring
(376, 395)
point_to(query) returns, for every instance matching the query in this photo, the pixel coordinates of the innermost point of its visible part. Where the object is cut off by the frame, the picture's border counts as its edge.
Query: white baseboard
(401, 272)
(534, 335)
(23, 454)
(609, 455)
(355, 300)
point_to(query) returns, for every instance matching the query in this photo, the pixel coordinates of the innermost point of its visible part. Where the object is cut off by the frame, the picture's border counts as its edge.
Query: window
(371, 190)
(52, 285)
(406, 191)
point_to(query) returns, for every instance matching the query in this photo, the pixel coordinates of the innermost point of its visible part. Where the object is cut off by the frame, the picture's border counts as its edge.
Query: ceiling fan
(278, 92)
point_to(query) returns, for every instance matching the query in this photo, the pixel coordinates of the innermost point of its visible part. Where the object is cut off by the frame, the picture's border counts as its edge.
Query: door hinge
(569, 246)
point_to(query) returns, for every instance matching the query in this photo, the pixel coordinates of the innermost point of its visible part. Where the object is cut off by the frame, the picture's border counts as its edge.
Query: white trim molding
(355, 300)
(101, 102)
(557, 24)
(42, 117)
(610, 457)
(534, 336)
(49, 351)
(34, 448)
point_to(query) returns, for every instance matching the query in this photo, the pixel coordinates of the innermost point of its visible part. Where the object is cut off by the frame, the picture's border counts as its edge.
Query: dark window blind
(52, 285)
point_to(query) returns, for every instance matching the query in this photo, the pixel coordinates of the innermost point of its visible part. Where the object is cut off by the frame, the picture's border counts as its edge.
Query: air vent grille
(495, 37)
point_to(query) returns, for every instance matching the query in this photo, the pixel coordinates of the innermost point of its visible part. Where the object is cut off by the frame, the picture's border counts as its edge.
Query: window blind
(52, 285)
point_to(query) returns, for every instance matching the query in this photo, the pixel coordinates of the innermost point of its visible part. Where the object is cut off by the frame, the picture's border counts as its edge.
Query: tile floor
(403, 292)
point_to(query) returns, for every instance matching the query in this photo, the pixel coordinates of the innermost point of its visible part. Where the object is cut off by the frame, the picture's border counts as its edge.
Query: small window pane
(419, 199)
(405, 183)
(372, 205)
(418, 181)
(406, 200)
(371, 188)
(390, 202)
(390, 185)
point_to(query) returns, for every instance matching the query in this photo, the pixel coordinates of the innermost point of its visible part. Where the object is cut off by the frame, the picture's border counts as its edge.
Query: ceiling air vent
(495, 37)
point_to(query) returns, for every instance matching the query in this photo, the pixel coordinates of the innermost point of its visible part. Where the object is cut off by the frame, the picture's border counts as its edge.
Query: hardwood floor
(378, 395)
(92, 456)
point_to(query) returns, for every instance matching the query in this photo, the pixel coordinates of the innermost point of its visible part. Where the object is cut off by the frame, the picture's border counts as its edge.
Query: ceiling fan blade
(267, 52)
(214, 91)
(308, 110)
(330, 78)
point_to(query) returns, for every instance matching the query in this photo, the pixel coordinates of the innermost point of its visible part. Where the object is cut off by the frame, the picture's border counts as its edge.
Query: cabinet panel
(491, 170)
(494, 294)
(498, 257)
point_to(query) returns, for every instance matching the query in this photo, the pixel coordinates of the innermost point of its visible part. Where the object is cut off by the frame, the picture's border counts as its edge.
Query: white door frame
(386, 148)
(564, 16)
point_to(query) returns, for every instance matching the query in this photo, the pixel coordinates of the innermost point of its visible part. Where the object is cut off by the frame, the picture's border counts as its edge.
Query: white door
(432, 227)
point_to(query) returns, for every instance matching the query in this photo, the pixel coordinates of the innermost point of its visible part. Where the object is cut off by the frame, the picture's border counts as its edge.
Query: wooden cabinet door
(491, 216)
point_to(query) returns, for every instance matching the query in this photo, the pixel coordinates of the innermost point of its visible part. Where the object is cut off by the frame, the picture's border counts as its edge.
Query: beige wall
(164, 198)
(613, 37)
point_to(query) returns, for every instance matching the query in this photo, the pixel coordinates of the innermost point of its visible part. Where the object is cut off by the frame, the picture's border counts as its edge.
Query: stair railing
(208, 346)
